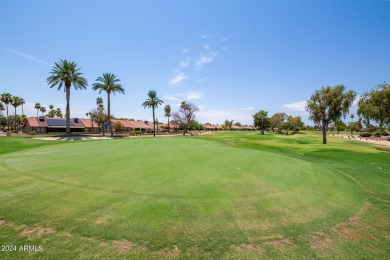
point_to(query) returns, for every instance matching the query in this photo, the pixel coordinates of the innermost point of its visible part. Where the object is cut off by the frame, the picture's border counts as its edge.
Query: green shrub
(377, 134)
(135, 132)
(384, 133)
(32, 133)
(14, 131)
(365, 134)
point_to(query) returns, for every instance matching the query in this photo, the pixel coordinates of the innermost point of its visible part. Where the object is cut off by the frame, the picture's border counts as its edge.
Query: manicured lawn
(227, 195)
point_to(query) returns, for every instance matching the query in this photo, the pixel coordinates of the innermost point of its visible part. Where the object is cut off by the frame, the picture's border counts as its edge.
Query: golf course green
(225, 195)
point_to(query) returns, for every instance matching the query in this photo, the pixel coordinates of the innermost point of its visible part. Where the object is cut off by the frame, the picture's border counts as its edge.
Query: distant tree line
(327, 107)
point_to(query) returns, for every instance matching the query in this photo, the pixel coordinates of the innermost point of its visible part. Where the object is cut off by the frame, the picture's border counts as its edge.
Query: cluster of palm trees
(6, 100)
(51, 113)
(66, 74)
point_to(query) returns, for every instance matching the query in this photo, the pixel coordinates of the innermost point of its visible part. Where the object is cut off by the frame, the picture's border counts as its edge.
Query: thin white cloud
(185, 62)
(204, 59)
(205, 36)
(27, 56)
(177, 79)
(296, 106)
(202, 79)
(247, 108)
(173, 98)
(185, 51)
(206, 46)
(193, 95)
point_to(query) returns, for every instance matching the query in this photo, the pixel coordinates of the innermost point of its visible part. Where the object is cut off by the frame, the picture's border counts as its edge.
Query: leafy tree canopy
(329, 104)
(261, 121)
(374, 105)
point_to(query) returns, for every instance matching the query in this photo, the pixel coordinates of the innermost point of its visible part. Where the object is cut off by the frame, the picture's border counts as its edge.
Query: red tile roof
(88, 123)
(133, 124)
(33, 122)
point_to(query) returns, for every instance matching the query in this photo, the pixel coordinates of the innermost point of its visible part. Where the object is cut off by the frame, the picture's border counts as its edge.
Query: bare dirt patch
(103, 220)
(122, 245)
(252, 247)
(279, 244)
(2, 222)
(320, 241)
(354, 229)
(167, 252)
(36, 232)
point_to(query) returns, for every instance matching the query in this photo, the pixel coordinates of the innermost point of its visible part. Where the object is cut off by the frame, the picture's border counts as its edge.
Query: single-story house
(43, 125)
(134, 125)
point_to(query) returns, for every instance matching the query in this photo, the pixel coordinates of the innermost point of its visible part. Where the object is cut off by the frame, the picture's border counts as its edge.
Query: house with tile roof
(43, 125)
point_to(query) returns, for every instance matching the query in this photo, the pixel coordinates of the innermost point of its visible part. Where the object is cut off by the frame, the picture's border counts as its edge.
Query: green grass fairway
(227, 195)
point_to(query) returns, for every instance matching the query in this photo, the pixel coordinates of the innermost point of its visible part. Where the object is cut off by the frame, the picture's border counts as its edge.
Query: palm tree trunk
(6, 105)
(22, 110)
(37, 112)
(108, 112)
(154, 124)
(168, 124)
(67, 86)
(15, 118)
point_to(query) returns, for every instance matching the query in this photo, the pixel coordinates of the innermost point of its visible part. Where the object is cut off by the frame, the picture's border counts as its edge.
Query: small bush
(384, 133)
(365, 134)
(32, 133)
(14, 131)
(377, 134)
(136, 132)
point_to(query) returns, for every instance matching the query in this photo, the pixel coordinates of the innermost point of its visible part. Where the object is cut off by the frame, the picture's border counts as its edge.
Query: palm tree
(43, 110)
(59, 113)
(15, 103)
(22, 102)
(6, 98)
(109, 84)
(37, 107)
(167, 110)
(66, 73)
(2, 108)
(99, 102)
(152, 102)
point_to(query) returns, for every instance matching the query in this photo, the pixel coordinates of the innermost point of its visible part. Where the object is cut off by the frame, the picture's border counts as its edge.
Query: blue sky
(231, 58)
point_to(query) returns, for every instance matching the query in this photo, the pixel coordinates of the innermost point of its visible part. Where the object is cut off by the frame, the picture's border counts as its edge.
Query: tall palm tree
(37, 107)
(6, 98)
(167, 110)
(15, 103)
(152, 102)
(22, 102)
(2, 108)
(66, 73)
(109, 84)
